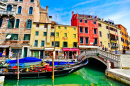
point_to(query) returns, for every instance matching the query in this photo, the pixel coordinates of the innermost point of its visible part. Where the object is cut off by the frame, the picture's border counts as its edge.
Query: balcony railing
(4, 0)
(7, 12)
(113, 47)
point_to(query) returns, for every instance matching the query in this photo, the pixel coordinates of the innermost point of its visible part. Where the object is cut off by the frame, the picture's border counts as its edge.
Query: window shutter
(14, 23)
(24, 36)
(67, 44)
(31, 24)
(9, 24)
(27, 24)
(12, 36)
(55, 44)
(7, 34)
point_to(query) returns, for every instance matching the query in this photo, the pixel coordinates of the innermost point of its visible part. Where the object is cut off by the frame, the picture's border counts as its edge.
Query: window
(107, 27)
(94, 22)
(85, 21)
(9, 8)
(31, 0)
(101, 43)
(1, 20)
(37, 25)
(44, 33)
(31, 10)
(74, 35)
(45, 26)
(86, 41)
(29, 23)
(81, 20)
(52, 34)
(64, 44)
(16, 0)
(95, 41)
(108, 36)
(11, 23)
(26, 36)
(81, 29)
(57, 34)
(42, 43)
(99, 25)
(95, 31)
(58, 27)
(19, 9)
(65, 34)
(75, 44)
(100, 33)
(21, 0)
(75, 28)
(36, 43)
(65, 28)
(81, 40)
(17, 23)
(52, 43)
(57, 44)
(36, 33)
(86, 30)
(14, 36)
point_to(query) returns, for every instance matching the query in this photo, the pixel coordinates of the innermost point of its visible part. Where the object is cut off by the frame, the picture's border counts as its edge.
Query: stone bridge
(107, 58)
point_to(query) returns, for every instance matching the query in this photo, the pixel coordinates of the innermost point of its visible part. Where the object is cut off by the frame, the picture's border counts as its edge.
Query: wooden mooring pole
(18, 66)
(53, 68)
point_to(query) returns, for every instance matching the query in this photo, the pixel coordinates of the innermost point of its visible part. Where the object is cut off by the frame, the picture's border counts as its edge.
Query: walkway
(125, 60)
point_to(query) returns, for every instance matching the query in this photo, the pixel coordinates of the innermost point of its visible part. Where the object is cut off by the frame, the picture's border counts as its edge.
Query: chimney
(90, 16)
(47, 8)
(50, 18)
(83, 15)
(96, 17)
(102, 19)
(72, 13)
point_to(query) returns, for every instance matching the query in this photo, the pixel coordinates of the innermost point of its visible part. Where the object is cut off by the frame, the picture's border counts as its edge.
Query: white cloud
(88, 1)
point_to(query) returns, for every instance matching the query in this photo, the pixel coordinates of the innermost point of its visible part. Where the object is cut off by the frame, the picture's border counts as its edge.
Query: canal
(91, 75)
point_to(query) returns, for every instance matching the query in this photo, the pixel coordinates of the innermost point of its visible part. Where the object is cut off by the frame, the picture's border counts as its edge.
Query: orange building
(124, 38)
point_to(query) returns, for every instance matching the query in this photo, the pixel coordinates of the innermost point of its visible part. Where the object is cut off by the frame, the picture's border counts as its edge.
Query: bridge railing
(106, 54)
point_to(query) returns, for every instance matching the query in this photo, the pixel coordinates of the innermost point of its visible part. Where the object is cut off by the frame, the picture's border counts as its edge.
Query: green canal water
(91, 75)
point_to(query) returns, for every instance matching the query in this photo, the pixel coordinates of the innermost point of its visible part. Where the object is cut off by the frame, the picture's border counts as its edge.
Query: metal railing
(7, 12)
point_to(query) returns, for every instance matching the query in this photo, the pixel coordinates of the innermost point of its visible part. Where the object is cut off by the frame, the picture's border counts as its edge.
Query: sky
(116, 10)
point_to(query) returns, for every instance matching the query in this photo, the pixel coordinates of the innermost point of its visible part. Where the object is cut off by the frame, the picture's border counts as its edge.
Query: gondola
(58, 71)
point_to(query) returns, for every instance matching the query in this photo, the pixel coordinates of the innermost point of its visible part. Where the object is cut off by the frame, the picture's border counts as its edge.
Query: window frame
(94, 30)
(87, 30)
(36, 33)
(58, 34)
(85, 40)
(58, 43)
(80, 29)
(65, 34)
(80, 40)
(35, 42)
(31, 11)
(75, 36)
(42, 45)
(63, 44)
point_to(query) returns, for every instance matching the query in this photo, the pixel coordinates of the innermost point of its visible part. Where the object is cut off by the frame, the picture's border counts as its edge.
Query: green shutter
(7, 34)
(67, 44)
(24, 36)
(12, 36)
(63, 44)
(14, 23)
(9, 24)
(55, 43)
(31, 24)
(27, 24)
(31, 53)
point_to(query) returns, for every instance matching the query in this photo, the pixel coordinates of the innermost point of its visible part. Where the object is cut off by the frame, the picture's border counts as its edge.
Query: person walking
(115, 50)
(103, 47)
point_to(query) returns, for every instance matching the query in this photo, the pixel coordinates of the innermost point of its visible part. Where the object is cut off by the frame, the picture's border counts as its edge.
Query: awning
(49, 49)
(4, 46)
(113, 34)
(70, 49)
(8, 37)
(83, 46)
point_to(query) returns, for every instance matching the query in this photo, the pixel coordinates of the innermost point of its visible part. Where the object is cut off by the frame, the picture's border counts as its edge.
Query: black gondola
(58, 71)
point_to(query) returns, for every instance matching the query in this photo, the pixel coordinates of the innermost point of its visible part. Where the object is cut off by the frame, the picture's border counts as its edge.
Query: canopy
(93, 47)
(70, 49)
(114, 34)
(49, 49)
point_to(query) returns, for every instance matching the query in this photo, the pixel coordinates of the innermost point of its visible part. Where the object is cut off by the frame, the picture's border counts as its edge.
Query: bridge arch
(95, 57)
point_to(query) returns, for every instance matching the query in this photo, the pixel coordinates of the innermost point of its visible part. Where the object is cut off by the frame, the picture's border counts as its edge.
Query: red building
(87, 30)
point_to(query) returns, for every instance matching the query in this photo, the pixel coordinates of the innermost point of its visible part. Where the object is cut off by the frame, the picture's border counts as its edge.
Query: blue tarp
(15, 64)
(26, 60)
(0, 54)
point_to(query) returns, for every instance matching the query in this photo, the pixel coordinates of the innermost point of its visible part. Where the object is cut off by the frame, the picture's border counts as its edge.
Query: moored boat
(43, 73)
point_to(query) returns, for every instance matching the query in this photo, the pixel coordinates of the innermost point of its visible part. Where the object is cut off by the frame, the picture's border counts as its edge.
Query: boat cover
(26, 60)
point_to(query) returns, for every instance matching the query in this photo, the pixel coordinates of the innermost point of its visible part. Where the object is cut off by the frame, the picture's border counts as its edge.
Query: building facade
(109, 35)
(66, 41)
(16, 22)
(87, 29)
(129, 41)
(124, 35)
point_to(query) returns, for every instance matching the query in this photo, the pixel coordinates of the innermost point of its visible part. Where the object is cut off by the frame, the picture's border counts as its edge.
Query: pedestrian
(123, 51)
(4, 54)
(103, 47)
(11, 54)
(107, 49)
(100, 48)
(115, 50)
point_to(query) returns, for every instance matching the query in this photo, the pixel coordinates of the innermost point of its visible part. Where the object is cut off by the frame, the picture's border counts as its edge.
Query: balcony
(113, 47)
(7, 13)
(113, 40)
(4, 0)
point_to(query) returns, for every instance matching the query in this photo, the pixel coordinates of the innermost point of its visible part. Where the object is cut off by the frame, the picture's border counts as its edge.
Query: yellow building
(66, 41)
(42, 39)
(109, 35)
(124, 35)
(129, 41)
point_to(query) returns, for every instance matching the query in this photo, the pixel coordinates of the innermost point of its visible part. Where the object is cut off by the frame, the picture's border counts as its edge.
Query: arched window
(11, 23)
(19, 9)
(17, 23)
(29, 23)
(1, 22)
(31, 0)
(9, 8)
(31, 10)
